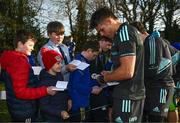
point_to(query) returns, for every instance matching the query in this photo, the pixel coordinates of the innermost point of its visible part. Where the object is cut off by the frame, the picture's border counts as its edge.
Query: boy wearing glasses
(55, 32)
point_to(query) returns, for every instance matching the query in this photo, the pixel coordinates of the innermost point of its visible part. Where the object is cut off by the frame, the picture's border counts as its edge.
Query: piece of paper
(112, 83)
(75, 62)
(80, 65)
(61, 85)
(37, 70)
(109, 84)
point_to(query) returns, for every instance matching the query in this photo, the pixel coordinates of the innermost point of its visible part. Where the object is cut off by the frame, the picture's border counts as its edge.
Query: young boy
(21, 89)
(52, 108)
(55, 32)
(102, 62)
(79, 85)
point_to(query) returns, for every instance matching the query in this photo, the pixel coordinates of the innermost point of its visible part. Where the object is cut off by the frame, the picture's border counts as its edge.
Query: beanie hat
(50, 57)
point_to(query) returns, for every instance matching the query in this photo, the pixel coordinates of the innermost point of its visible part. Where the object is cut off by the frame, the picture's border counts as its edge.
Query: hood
(7, 58)
(44, 75)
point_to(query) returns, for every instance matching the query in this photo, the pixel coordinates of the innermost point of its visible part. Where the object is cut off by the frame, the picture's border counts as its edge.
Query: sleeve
(39, 58)
(20, 76)
(126, 42)
(77, 82)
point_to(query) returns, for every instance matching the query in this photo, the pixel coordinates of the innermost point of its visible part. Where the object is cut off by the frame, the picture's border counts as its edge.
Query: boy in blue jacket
(79, 86)
(52, 108)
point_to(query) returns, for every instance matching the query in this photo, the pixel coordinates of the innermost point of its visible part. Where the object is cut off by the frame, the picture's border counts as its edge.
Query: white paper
(109, 84)
(61, 85)
(112, 83)
(37, 70)
(80, 65)
(75, 62)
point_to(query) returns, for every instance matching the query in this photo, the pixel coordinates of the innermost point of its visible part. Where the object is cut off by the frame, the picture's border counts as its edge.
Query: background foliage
(163, 15)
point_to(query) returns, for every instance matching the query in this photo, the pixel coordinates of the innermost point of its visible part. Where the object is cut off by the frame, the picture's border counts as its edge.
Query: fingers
(50, 90)
(64, 115)
(71, 67)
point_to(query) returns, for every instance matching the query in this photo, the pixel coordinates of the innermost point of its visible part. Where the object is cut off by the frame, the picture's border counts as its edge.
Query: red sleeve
(19, 72)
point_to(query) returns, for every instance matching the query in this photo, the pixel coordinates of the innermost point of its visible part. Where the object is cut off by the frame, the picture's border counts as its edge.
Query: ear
(19, 45)
(108, 20)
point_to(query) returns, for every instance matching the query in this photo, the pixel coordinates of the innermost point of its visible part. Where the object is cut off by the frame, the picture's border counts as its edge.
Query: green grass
(4, 114)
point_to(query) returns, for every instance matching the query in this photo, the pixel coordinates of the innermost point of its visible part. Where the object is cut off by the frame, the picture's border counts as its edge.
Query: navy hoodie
(51, 106)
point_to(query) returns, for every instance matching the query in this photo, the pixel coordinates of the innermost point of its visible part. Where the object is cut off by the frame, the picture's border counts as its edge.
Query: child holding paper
(79, 86)
(52, 108)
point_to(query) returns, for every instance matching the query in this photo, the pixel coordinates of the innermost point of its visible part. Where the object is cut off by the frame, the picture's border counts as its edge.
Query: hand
(50, 90)
(64, 115)
(104, 73)
(96, 90)
(69, 104)
(100, 79)
(71, 67)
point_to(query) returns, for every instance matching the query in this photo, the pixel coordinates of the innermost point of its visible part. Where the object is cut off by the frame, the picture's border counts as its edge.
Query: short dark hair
(94, 45)
(100, 15)
(23, 36)
(56, 27)
(105, 39)
(139, 26)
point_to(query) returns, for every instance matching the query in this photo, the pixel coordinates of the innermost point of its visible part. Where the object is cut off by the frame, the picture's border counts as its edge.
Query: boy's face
(92, 54)
(56, 67)
(56, 38)
(105, 45)
(27, 47)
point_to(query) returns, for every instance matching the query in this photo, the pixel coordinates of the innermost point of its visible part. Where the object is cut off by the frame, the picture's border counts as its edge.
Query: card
(80, 65)
(61, 85)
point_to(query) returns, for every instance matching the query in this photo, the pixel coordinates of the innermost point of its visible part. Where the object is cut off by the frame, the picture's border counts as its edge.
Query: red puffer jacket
(17, 66)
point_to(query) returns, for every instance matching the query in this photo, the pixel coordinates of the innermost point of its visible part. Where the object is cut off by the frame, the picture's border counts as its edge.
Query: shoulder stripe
(175, 58)
(126, 32)
(152, 48)
(164, 64)
(123, 34)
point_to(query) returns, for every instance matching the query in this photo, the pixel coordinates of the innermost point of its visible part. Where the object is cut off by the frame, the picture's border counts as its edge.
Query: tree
(15, 15)
(170, 19)
(81, 26)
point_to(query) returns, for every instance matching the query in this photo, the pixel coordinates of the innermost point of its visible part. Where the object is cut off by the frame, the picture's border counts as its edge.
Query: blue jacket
(51, 106)
(79, 86)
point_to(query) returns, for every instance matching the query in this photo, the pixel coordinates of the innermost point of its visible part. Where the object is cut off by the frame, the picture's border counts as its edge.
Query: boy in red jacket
(19, 79)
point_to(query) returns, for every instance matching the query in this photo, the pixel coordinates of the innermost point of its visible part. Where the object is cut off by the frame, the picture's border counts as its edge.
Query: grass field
(4, 114)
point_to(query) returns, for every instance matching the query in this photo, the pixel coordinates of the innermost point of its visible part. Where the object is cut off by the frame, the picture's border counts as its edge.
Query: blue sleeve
(79, 82)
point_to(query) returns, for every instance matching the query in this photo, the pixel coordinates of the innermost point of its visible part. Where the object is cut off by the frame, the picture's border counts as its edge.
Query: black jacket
(51, 106)
(14, 104)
